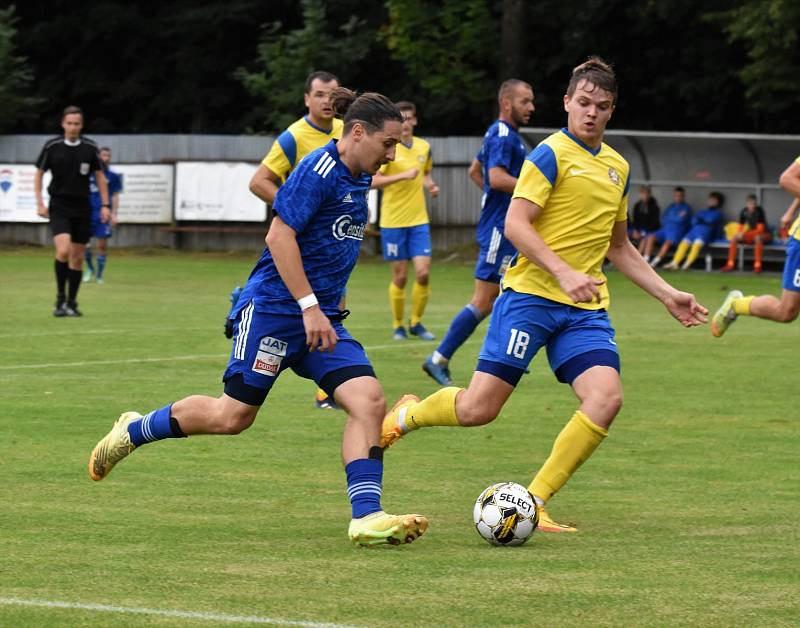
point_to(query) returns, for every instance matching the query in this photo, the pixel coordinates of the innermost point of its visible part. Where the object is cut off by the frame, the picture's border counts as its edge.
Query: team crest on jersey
(421, 159)
(614, 176)
(84, 168)
(271, 352)
(344, 227)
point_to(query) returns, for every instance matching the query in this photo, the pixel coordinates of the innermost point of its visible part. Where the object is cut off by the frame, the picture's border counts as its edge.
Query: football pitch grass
(687, 513)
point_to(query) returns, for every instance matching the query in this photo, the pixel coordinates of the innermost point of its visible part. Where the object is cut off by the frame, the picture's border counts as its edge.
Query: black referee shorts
(72, 218)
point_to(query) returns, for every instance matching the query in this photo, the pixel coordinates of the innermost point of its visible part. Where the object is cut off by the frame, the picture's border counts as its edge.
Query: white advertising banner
(146, 193)
(17, 199)
(216, 190)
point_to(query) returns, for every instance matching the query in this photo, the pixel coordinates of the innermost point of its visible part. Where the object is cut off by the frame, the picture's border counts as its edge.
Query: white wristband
(310, 300)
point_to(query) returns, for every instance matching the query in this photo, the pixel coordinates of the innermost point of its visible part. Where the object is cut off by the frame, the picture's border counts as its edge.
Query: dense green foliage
(239, 65)
(687, 512)
(16, 105)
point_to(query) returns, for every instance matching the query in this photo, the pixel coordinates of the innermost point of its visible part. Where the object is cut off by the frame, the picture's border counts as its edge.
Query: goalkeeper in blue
(288, 317)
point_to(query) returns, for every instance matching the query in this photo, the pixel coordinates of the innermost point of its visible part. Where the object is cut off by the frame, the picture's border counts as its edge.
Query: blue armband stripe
(289, 147)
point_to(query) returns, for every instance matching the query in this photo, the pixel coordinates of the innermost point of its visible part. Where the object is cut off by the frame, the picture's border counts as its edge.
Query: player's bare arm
(431, 185)
(476, 173)
(41, 208)
(114, 208)
(790, 179)
(282, 243)
(499, 179)
(789, 215)
(682, 305)
(380, 181)
(521, 231)
(264, 184)
(102, 186)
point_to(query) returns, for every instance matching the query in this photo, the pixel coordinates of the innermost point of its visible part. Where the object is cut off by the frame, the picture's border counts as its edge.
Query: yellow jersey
(582, 193)
(403, 203)
(296, 142)
(794, 231)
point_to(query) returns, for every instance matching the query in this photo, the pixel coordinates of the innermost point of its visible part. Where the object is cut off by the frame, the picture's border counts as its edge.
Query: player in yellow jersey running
(787, 308)
(307, 134)
(405, 228)
(568, 212)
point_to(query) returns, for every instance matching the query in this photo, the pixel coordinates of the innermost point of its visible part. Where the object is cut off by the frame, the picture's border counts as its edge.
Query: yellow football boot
(113, 448)
(725, 316)
(380, 528)
(392, 429)
(546, 523)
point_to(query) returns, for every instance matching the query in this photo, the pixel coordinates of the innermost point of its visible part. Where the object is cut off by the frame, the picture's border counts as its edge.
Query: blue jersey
(677, 216)
(502, 147)
(327, 208)
(114, 181)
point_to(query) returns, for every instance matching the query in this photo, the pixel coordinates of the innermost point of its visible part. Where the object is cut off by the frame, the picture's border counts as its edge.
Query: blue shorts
(521, 324)
(100, 229)
(673, 235)
(400, 243)
(264, 345)
(791, 267)
(494, 257)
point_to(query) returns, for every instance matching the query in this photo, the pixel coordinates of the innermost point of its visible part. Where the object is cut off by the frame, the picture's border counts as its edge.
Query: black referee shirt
(71, 166)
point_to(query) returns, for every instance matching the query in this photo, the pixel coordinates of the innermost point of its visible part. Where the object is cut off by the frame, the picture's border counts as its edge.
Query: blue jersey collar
(318, 128)
(593, 151)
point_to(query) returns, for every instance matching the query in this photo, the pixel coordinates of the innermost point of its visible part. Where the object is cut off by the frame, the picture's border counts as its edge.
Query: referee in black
(71, 159)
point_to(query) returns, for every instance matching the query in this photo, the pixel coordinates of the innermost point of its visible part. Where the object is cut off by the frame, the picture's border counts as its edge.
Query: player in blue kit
(501, 158)
(287, 317)
(102, 230)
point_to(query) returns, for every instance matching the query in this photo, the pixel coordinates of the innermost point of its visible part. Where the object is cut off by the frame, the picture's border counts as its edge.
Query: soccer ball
(505, 514)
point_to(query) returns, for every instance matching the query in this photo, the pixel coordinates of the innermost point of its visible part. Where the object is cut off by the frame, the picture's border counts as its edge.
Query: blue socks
(461, 328)
(88, 257)
(364, 477)
(157, 425)
(101, 264)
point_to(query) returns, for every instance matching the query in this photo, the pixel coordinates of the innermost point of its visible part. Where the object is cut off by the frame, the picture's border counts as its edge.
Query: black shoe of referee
(71, 309)
(61, 306)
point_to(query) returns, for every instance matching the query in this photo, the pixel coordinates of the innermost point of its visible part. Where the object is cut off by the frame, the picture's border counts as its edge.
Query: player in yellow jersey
(787, 308)
(404, 223)
(568, 212)
(307, 134)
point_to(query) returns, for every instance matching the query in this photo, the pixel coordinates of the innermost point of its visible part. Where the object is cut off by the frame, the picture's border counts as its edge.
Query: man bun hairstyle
(597, 72)
(371, 109)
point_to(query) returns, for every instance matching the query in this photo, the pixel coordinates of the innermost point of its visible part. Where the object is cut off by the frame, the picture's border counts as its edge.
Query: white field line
(163, 612)
(176, 358)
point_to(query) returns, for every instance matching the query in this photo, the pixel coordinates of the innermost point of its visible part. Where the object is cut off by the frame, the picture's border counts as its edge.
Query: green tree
(15, 76)
(769, 31)
(285, 59)
(450, 49)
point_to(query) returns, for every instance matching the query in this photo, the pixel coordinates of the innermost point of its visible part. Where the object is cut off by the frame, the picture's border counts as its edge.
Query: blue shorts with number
(521, 324)
(791, 267)
(265, 345)
(494, 257)
(406, 242)
(100, 229)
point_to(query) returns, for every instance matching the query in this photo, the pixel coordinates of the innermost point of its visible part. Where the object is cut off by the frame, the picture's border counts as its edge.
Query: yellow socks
(397, 301)
(681, 252)
(742, 305)
(572, 447)
(693, 253)
(419, 299)
(437, 409)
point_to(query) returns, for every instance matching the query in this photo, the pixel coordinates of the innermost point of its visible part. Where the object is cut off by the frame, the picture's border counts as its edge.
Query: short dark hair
(752, 197)
(678, 188)
(719, 196)
(72, 109)
(105, 148)
(407, 105)
(597, 72)
(509, 84)
(325, 77)
(370, 109)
